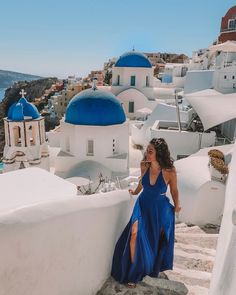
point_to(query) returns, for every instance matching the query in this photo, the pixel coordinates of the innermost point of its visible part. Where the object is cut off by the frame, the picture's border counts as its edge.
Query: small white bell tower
(25, 144)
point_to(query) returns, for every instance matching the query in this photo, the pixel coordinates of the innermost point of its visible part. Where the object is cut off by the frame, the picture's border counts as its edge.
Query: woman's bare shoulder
(171, 170)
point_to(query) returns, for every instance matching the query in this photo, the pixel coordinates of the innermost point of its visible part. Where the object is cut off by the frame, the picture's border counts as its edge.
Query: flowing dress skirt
(154, 247)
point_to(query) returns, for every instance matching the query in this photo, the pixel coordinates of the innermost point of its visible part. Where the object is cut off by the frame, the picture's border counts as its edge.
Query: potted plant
(218, 169)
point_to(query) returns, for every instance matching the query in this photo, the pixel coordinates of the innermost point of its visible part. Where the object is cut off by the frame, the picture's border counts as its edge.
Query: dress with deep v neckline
(150, 176)
(155, 235)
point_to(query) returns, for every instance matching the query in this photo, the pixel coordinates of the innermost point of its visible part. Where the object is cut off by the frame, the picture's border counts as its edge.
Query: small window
(118, 80)
(225, 77)
(231, 24)
(233, 77)
(132, 81)
(131, 106)
(90, 150)
(147, 81)
(114, 146)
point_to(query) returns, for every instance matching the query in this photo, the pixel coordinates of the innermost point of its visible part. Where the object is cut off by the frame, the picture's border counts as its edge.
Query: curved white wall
(139, 99)
(202, 200)
(224, 272)
(62, 247)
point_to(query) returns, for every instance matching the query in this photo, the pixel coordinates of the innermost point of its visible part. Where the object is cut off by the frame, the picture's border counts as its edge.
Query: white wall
(161, 112)
(63, 247)
(125, 74)
(54, 138)
(198, 80)
(74, 146)
(224, 272)
(202, 200)
(184, 142)
(179, 82)
(225, 79)
(139, 99)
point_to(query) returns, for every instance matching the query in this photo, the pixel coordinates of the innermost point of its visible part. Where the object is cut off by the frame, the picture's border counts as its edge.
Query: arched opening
(32, 135)
(17, 136)
(118, 80)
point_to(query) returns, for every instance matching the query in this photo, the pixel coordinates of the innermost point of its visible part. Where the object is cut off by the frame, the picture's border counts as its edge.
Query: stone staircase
(195, 250)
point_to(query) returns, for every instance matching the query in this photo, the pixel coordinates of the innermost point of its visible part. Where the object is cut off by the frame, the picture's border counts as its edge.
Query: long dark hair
(162, 153)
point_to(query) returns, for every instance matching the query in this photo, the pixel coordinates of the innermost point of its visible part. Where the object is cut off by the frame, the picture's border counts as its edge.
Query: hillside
(7, 78)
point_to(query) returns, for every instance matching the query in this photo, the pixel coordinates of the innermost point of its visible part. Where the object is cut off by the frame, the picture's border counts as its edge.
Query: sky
(72, 37)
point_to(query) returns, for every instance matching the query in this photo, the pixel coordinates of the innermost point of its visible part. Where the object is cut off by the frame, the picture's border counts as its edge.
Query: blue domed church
(132, 83)
(94, 136)
(25, 138)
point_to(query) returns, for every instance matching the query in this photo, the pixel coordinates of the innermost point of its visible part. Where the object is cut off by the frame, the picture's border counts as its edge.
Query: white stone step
(201, 275)
(201, 240)
(190, 248)
(189, 229)
(197, 290)
(190, 277)
(197, 256)
(189, 262)
(180, 225)
(199, 235)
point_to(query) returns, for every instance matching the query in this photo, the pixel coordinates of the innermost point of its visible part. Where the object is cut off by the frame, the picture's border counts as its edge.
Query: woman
(146, 245)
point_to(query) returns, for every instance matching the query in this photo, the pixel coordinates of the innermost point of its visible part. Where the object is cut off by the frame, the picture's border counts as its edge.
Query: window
(118, 80)
(233, 77)
(131, 106)
(231, 24)
(90, 147)
(132, 81)
(147, 81)
(115, 146)
(225, 77)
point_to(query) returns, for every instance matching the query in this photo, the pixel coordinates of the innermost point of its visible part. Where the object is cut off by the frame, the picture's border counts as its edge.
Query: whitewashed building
(25, 140)
(132, 82)
(94, 131)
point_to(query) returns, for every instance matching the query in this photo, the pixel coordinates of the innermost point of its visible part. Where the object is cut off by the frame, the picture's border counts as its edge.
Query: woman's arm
(139, 187)
(174, 189)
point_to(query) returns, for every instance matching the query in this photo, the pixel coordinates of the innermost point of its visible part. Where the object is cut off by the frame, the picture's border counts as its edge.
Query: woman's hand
(177, 209)
(131, 192)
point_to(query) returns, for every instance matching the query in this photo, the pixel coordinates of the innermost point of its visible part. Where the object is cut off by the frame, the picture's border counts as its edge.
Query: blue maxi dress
(154, 248)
